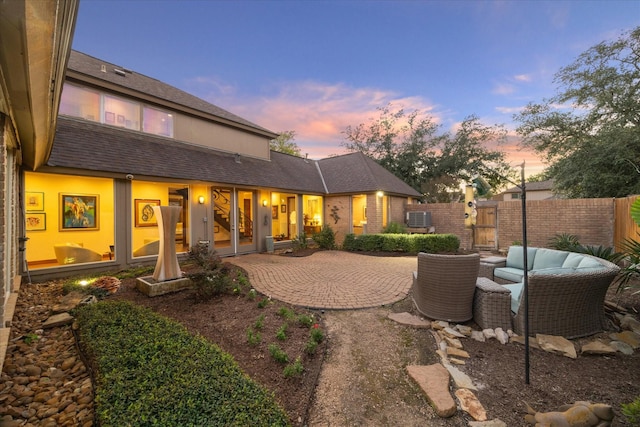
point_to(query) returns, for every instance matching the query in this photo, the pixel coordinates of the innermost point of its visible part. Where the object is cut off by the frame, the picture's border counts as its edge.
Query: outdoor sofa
(566, 291)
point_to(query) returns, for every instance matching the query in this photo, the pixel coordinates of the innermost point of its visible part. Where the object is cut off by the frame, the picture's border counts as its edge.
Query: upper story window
(157, 122)
(92, 105)
(80, 102)
(119, 112)
(515, 196)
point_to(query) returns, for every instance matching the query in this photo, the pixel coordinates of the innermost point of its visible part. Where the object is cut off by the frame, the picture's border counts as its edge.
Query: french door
(234, 227)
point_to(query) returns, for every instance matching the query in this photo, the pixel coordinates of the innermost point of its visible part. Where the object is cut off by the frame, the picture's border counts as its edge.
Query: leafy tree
(434, 164)
(590, 131)
(284, 143)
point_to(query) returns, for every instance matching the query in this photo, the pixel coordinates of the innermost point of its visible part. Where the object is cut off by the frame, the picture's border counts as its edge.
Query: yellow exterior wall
(40, 244)
(142, 190)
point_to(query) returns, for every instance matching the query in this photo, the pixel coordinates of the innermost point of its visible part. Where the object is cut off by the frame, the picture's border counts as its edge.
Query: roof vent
(120, 72)
(237, 158)
(103, 68)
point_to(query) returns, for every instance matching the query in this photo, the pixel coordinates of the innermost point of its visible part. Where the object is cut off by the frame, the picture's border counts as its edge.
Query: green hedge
(151, 371)
(409, 243)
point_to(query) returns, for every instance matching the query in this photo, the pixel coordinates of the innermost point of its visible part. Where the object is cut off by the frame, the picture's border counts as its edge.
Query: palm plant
(629, 276)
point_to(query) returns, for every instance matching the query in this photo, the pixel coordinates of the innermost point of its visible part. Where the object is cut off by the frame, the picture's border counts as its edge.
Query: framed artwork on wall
(36, 221)
(274, 212)
(33, 201)
(145, 216)
(283, 208)
(79, 212)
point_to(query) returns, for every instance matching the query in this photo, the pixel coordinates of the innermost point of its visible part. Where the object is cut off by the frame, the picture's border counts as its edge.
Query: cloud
(503, 89)
(509, 110)
(522, 78)
(317, 111)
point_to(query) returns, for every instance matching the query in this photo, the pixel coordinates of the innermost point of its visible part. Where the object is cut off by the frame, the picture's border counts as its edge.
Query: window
(157, 122)
(515, 196)
(80, 102)
(119, 112)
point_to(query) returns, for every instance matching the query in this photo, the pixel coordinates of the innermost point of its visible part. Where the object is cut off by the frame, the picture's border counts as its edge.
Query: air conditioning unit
(418, 219)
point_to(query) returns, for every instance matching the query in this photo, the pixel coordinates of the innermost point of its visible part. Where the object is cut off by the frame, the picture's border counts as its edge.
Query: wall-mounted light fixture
(201, 200)
(379, 194)
(265, 203)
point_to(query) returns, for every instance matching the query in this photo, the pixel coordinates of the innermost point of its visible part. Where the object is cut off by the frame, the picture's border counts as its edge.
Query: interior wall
(52, 186)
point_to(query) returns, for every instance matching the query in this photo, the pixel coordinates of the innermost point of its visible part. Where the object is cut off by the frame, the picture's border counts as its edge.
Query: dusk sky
(316, 67)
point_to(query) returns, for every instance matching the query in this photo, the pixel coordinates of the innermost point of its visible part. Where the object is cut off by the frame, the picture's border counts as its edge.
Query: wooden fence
(624, 227)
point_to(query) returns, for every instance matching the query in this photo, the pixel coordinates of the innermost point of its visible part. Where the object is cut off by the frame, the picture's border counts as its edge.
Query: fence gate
(485, 230)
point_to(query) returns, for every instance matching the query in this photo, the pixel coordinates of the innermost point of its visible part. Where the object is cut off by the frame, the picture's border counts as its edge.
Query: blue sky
(316, 67)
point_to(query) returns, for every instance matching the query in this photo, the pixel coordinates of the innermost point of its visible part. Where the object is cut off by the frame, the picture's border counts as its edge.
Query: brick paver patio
(330, 279)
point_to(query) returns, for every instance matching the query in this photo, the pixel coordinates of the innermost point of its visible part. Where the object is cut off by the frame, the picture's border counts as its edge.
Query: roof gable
(358, 173)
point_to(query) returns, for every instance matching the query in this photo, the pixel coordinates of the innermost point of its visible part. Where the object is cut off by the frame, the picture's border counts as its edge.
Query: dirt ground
(357, 376)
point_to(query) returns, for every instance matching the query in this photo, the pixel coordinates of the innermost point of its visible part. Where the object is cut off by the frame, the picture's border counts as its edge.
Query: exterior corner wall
(337, 214)
(374, 213)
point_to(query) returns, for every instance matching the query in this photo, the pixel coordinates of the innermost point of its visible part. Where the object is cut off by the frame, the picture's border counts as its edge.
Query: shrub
(300, 241)
(253, 338)
(326, 238)
(564, 242)
(305, 320)
(632, 411)
(134, 354)
(294, 369)
(394, 228)
(211, 278)
(281, 333)
(259, 323)
(286, 313)
(310, 347)
(603, 252)
(263, 303)
(410, 244)
(316, 333)
(278, 354)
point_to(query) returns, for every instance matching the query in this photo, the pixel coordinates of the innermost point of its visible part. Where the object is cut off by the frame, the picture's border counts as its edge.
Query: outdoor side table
(487, 265)
(492, 305)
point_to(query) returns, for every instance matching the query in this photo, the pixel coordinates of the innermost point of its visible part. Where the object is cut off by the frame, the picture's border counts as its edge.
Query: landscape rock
(622, 347)
(58, 320)
(68, 302)
(471, 405)
(478, 336)
(489, 423)
(460, 379)
(464, 330)
(489, 333)
(501, 336)
(630, 323)
(597, 347)
(410, 320)
(556, 344)
(628, 337)
(452, 332)
(453, 342)
(457, 352)
(580, 414)
(434, 381)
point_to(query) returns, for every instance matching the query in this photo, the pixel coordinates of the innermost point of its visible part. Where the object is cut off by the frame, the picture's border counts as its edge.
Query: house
(126, 142)
(36, 38)
(541, 190)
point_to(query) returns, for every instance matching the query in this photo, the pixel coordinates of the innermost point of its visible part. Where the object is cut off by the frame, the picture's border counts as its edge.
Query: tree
(284, 143)
(434, 164)
(589, 131)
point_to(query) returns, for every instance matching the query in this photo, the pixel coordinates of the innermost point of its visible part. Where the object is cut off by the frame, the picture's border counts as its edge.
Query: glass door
(233, 221)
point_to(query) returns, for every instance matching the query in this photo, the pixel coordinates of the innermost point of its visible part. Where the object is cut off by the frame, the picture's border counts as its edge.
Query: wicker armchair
(444, 285)
(569, 305)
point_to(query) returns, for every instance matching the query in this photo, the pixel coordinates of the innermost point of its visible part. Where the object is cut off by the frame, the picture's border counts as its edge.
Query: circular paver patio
(330, 279)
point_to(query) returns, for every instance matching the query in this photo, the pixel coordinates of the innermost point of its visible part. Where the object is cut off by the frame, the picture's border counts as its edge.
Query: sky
(317, 67)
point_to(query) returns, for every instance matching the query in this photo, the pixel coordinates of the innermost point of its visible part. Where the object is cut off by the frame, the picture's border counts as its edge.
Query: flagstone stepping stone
(434, 382)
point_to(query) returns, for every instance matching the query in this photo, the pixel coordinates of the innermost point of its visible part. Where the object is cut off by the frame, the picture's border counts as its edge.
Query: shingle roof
(355, 172)
(86, 145)
(90, 66)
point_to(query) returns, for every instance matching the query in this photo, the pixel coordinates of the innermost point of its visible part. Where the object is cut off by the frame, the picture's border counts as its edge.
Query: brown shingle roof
(81, 144)
(87, 65)
(355, 172)
(533, 186)
(85, 145)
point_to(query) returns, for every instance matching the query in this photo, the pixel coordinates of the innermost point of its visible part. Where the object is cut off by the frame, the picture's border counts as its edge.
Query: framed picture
(36, 221)
(79, 212)
(33, 201)
(109, 117)
(145, 216)
(274, 212)
(283, 208)
(120, 119)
